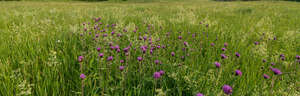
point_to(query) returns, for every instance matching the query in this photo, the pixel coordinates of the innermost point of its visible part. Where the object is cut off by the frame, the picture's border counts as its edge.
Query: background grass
(40, 44)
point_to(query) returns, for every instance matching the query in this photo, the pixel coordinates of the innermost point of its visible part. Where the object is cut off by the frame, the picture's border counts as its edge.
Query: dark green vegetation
(40, 44)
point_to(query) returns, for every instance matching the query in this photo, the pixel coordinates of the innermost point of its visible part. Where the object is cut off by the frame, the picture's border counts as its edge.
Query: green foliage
(40, 43)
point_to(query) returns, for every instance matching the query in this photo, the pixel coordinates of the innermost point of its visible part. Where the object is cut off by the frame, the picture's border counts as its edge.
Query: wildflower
(227, 89)
(173, 53)
(298, 57)
(104, 35)
(276, 71)
(156, 61)
(110, 58)
(156, 75)
(121, 68)
(101, 55)
(217, 64)
(212, 44)
(180, 37)
(238, 72)
(199, 94)
(112, 32)
(223, 49)
(140, 58)
(225, 44)
(282, 55)
(185, 43)
(121, 61)
(237, 54)
(272, 63)
(162, 72)
(266, 76)
(256, 43)
(98, 49)
(264, 60)
(97, 35)
(82, 76)
(223, 56)
(80, 58)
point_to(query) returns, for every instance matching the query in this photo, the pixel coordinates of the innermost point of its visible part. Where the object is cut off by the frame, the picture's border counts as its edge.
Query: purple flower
(162, 72)
(199, 94)
(140, 58)
(276, 71)
(225, 44)
(121, 61)
(104, 35)
(97, 35)
(185, 43)
(121, 68)
(266, 76)
(217, 64)
(179, 37)
(157, 61)
(256, 43)
(145, 37)
(272, 63)
(112, 32)
(237, 54)
(101, 55)
(80, 58)
(110, 58)
(82, 76)
(264, 60)
(212, 44)
(238, 72)
(282, 58)
(156, 75)
(173, 53)
(223, 49)
(227, 89)
(282, 55)
(98, 49)
(223, 56)
(298, 57)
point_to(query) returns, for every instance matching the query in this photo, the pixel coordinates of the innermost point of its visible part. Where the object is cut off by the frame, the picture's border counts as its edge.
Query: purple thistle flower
(104, 35)
(282, 55)
(212, 44)
(264, 60)
(121, 61)
(101, 55)
(180, 37)
(298, 57)
(156, 61)
(282, 58)
(110, 58)
(199, 94)
(126, 49)
(272, 63)
(112, 32)
(276, 71)
(97, 35)
(121, 68)
(80, 58)
(145, 37)
(185, 43)
(156, 75)
(98, 49)
(223, 49)
(140, 58)
(256, 43)
(158, 46)
(82, 76)
(134, 31)
(182, 57)
(227, 89)
(217, 64)
(266, 76)
(225, 44)
(237, 54)
(238, 72)
(119, 35)
(162, 72)
(223, 56)
(173, 53)
(194, 35)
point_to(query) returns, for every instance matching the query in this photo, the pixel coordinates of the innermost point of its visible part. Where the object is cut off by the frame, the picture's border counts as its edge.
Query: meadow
(169, 48)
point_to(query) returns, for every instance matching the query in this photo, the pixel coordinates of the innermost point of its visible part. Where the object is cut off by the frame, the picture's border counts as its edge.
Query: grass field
(159, 48)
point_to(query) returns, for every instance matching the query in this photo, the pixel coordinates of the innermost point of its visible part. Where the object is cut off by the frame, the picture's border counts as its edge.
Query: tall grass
(40, 44)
